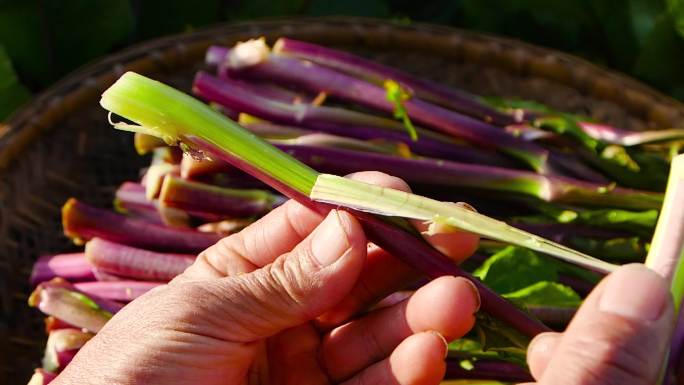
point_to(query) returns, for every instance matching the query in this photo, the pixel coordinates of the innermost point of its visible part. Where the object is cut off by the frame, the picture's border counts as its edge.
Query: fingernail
(329, 240)
(446, 344)
(635, 292)
(475, 292)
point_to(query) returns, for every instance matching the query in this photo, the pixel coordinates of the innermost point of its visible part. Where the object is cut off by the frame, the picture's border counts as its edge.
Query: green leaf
(501, 339)
(620, 166)
(641, 222)
(465, 345)
(469, 348)
(624, 250)
(397, 96)
(638, 222)
(12, 93)
(515, 268)
(545, 294)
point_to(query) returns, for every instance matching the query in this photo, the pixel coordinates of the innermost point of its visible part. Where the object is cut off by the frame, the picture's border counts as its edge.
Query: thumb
(619, 335)
(298, 286)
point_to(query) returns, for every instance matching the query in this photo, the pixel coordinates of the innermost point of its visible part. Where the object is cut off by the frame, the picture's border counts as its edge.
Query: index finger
(263, 241)
(286, 226)
(258, 244)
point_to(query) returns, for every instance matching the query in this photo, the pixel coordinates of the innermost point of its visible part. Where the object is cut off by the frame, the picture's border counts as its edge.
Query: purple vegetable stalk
(453, 174)
(377, 73)
(559, 160)
(252, 60)
(134, 263)
(269, 130)
(72, 267)
(103, 276)
(570, 165)
(130, 199)
(61, 300)
(82, 222)
(219, 202)
(121, 291)
(52, 323)
(614, 135)
(338, 121)
(440, 173)
(218, 173)
(216, 55)
(319, 139)
(269, 90)
(444, 96)
(62, 345)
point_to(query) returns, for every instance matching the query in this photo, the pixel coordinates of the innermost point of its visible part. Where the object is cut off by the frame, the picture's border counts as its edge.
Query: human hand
(282, 302)
(618, 337)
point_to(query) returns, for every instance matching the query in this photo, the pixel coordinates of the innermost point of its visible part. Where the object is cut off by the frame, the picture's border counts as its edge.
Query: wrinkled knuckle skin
(292, 281)
(193, 305)
(613, 353)
(166, 310)
(277, 293)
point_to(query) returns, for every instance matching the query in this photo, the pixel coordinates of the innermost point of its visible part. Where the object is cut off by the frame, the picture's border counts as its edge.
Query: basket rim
(26, 123)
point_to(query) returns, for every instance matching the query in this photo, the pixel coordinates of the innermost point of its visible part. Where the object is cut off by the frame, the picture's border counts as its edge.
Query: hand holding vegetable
(619, 335)
(272, 304)
(294, 299)
(266, 305)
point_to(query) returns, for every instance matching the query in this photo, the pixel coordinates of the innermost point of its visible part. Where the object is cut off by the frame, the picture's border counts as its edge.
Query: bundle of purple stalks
(545, 184)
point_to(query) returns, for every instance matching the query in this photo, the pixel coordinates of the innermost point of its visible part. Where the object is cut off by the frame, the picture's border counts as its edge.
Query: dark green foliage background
(42, 40)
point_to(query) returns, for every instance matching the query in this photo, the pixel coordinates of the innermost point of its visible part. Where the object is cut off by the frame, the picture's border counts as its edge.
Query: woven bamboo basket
(61, 145)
